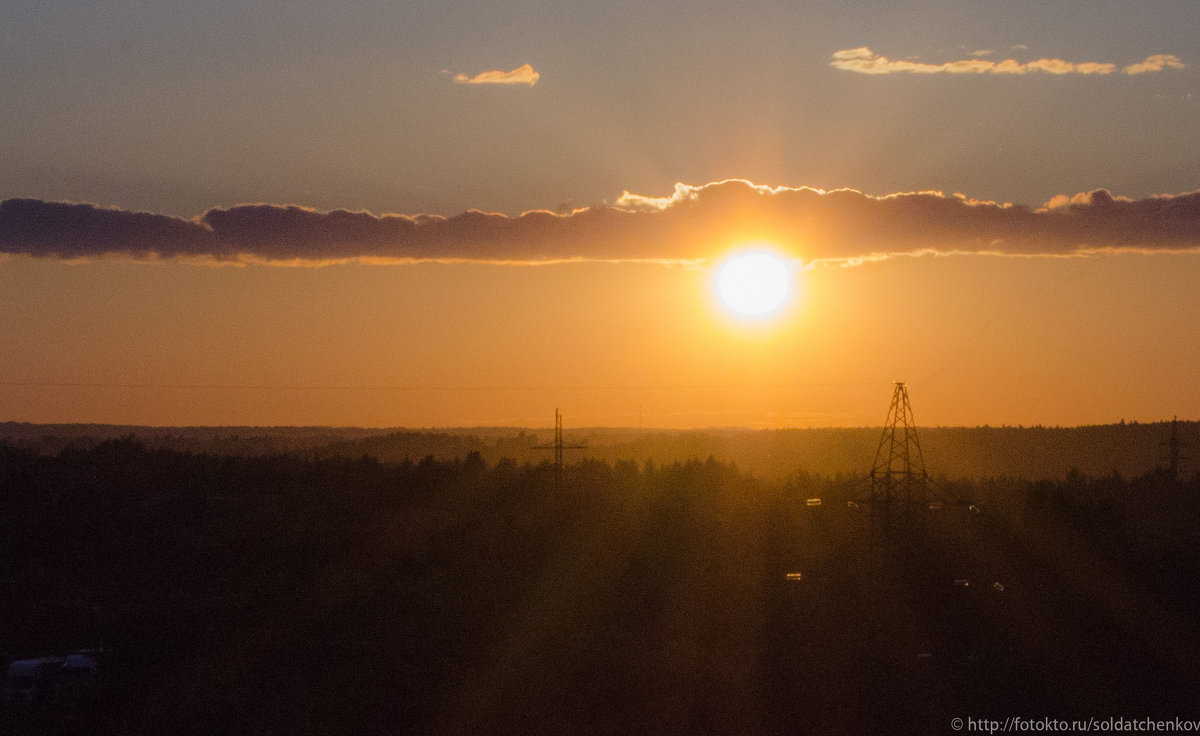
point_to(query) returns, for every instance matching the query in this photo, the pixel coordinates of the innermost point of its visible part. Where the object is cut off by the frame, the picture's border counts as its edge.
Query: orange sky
(981, 339)
(517, 206)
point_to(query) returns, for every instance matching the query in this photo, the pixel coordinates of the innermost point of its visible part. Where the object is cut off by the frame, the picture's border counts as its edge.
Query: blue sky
(177, 107)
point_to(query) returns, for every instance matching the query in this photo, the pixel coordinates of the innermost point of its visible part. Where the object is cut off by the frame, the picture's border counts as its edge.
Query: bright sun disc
(754, 284)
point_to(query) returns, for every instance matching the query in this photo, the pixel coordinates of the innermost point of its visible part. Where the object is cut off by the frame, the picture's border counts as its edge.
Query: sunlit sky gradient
(1080, 312)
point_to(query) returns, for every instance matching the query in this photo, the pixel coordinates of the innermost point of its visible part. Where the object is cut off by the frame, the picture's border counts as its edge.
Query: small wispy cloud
(863, 60)
(523, 74)
(1155, 63)
(982, 53)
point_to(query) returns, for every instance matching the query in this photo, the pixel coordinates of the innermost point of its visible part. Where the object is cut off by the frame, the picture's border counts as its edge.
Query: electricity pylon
(899, 470)
(1174, 445)
(558, 446)
(898, 479)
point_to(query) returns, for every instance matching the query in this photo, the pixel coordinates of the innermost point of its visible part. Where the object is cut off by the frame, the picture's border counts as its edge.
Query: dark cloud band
(694, 223)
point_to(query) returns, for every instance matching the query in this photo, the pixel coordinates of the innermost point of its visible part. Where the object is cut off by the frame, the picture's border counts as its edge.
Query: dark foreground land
(288, 594)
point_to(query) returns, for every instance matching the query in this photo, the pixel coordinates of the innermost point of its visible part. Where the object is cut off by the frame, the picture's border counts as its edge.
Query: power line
(413, 387)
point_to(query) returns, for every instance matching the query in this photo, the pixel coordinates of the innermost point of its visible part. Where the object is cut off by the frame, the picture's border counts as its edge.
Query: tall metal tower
(899, 470)
(1174, 445)
(558, 446)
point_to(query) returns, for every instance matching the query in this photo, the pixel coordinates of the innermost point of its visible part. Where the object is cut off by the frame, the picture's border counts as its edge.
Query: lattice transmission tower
(1174, 451)
(558, 446)
(899, 470)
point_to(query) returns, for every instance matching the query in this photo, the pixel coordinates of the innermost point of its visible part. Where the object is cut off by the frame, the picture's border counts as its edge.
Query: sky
(459, 214)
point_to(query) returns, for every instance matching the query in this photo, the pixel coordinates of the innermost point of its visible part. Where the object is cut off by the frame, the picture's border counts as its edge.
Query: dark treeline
(295, 593)
(1034, 453)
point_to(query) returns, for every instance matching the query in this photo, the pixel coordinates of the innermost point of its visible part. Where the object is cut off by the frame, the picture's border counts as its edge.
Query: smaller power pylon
(558, 446)
(1174, 455)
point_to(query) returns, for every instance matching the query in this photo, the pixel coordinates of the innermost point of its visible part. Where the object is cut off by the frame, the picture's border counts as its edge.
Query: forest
(318, 591)
(1034, 453)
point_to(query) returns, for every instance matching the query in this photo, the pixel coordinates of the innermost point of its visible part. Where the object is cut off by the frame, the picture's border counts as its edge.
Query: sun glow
(754, 283)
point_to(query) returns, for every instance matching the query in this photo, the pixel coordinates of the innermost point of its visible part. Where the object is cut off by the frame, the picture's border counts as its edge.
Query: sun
(754, 283)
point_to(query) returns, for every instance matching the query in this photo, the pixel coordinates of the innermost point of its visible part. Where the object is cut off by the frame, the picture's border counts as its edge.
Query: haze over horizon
(455, 215)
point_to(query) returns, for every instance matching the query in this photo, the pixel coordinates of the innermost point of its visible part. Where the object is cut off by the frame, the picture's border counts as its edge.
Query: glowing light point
(754, 284)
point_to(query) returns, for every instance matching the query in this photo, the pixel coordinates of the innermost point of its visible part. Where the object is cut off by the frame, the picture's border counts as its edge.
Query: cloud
(692, 224)
(865, 61)
(523, 74)
(65, 230)
(1155, 63)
